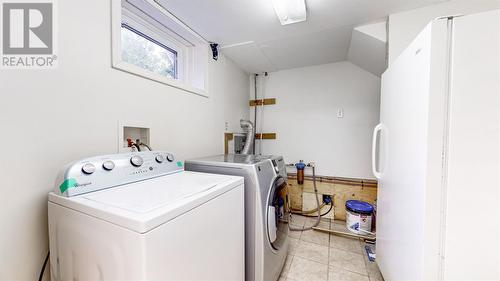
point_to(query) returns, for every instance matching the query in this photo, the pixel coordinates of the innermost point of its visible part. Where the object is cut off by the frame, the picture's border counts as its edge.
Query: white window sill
(132, 69)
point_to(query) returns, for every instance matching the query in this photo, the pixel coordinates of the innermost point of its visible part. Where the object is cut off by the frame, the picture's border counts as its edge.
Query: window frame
(186, 57)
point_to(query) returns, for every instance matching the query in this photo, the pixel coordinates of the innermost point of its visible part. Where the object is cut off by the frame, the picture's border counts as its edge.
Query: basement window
(150, 42)
(148, 53)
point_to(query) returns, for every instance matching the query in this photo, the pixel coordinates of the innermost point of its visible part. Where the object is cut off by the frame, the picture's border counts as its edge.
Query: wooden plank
(266, 136)
(341, 189)
(295, 196)
(262, 102)
(227, 137)
(308, 186)
(345, 192)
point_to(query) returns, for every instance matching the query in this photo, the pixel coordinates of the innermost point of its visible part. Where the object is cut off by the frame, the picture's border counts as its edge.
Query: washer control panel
(101, 172)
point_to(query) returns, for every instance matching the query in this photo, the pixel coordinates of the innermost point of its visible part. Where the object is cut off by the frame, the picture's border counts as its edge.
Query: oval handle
(376, 173)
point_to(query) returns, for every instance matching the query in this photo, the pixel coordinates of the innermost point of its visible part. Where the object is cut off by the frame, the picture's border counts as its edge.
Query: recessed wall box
(133, 131)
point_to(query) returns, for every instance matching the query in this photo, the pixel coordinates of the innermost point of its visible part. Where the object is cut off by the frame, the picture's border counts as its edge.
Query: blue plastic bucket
(358, 216)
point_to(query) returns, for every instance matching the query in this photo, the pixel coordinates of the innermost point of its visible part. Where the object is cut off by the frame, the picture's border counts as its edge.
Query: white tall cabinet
(436, 154)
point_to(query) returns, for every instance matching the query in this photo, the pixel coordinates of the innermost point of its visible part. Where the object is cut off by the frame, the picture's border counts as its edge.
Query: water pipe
(318, 209)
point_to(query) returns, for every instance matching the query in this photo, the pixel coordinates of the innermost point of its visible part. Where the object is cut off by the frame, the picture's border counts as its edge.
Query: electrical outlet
(340, 113)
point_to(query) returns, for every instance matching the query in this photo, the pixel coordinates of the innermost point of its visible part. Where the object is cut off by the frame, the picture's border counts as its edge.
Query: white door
(402, 166)
(474, 145)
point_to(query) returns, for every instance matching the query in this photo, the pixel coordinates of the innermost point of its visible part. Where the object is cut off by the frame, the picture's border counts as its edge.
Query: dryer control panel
(279, 165)
(101, 172)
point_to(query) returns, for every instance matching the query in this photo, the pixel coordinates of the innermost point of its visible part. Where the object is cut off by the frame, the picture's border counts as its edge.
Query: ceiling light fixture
(290, 11)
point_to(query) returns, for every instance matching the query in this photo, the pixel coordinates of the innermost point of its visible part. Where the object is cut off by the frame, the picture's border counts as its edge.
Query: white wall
(305, 121)
(51, 117)
(404, 27)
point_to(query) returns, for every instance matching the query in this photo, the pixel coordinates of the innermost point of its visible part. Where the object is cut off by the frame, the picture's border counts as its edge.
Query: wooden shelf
(262, 102)
(227, 137)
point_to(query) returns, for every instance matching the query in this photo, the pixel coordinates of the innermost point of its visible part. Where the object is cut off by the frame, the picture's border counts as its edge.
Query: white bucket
(355, 222)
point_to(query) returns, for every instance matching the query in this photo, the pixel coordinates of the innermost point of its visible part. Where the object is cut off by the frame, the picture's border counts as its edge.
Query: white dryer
(140, 216)
(266, 227)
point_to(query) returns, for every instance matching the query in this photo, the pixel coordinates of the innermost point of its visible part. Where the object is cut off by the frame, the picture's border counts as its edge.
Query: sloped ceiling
(368, 47)
(250, 34)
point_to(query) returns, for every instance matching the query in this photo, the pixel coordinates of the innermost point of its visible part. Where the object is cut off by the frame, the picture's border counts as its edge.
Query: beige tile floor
(318, 256)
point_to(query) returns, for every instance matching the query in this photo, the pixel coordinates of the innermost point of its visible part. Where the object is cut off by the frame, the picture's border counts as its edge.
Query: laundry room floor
(318, 256)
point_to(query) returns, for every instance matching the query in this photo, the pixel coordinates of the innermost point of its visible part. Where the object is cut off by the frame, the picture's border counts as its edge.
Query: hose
(300, 212)
(143, 144)
(249, 129)
(318, 217)
(325, 213)
(131, 143)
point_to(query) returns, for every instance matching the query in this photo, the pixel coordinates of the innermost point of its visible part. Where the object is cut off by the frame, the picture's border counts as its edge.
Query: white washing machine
(140, 216)
(266, 227)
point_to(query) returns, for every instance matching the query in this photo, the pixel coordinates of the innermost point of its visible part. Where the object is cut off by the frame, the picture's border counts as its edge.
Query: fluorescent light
(290, 11)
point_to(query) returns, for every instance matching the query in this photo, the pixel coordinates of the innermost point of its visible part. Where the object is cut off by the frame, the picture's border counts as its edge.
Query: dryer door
(277, 229)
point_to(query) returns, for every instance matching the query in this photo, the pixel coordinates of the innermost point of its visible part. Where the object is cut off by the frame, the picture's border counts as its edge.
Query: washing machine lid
(144, 205)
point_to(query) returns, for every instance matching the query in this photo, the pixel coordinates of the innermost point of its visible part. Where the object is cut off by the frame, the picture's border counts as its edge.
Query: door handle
(271, 223)
(376, 131)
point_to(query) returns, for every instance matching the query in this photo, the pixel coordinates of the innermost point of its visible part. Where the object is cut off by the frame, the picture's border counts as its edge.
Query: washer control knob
(88, 168)
(137, 161)
(170, 157)
(108, 165)
(159, 158)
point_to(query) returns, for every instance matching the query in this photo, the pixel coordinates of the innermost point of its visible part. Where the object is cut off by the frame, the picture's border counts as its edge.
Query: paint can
(358, 216)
